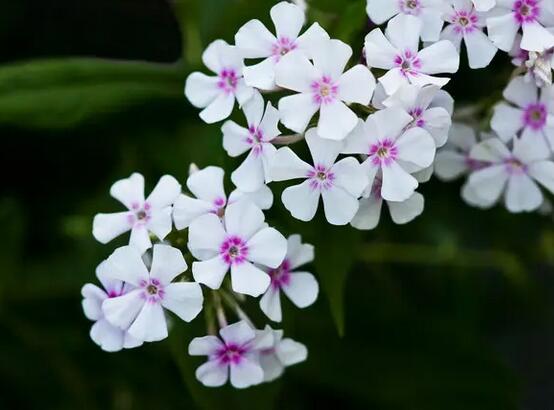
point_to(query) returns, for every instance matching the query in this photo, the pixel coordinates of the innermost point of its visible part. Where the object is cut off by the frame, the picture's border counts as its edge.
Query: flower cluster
(374, 131)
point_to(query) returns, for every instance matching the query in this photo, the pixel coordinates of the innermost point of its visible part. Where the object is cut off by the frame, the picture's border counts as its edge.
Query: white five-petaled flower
(467, 24)
(398, 52)
(532, 16)
(144, 216)
(371, 203)
(109, 337)
(217, 95)
(533, 114)
(300, 287)
(323, 86)
(255, 41)
(234, 356)
(513, 173)
(141, 310)
(429, 12)
(252, 174)
(427, 113)
(484, 5)
(282, 353)
(393, 151)
(340, 184)
(207, 187)
(237, 243)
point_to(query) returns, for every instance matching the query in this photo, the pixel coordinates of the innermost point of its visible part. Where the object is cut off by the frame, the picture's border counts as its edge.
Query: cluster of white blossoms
(372, 133)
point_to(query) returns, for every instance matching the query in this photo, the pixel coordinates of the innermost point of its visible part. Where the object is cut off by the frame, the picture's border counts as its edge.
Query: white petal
(161, 223)
(440, 57)
(187, 209)
(243, 219)
(302, 289)
(404, 31)
(521, 92)
(450, 165)
(488, 184)
(506, 121)
(140, 238)
(243, 93)
(262, 198)
(272, 366)
(380, 11)
(297, 111)
(522, 194)
(404, 212)
(357, 85)
(201, 90)
(261, 75)
(270, 122)
(536, 37)
(267, 247)
(206, 232)
(126, 264)
(129, 191)
(250, 175)
(219, 109)
(417, 147)
(204, 346)
(301, 201)
(336, 121)
(502, 31)
(165, 193)
(107, 336)
(339, 205)
(239, 333)
(393, 80)
(254, 40)
(290, 352)
(211, 272)
(298, 253)
(379, 52)
(93, 297)
(247, 279)
(107, 227)
(350, 176)
(150, 324)
(183, 299)
(247, 373)
(531, 146)
(312, 38)
(480, 49)
(323, 151)
(254, 109)
(471, 198)
(207, 184)
(270, 304)
(235, 139)
(369, 213)
(491, 150)
(167, 263)
(543, 172)
(398, 185)
(295, 72)
(121, 311)
(484, 5)
(388, 123)
(212, 374)
(462, 136)
(331, 57)
(213, 54)
(437, 122)
(286, 165)
(432, 24)
(288, 19)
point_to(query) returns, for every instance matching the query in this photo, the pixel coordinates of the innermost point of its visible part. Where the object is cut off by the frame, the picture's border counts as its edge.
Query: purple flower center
(255, 139)
(321, 177)
(228, 80)
(464, 21)
(325, 91)
(231, 354)
(219, 207)
(412, 7)
(139, 215)
(384, 153)
(408, 62)
(526, 11)
(417, 114)
(234, 250)
(534, 116)
(152, 290)
(514, 166)
(280, 276)
(283, 46)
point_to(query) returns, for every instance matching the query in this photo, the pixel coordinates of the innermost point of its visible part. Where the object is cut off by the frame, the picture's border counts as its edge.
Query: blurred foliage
(452, 311)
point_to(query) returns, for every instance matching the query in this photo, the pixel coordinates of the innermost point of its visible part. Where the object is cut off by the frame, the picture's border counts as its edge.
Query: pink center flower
(515, 167)
(255, 139)
(280, 276)
(321, 178)
(384, 153)
(282, 47)
(219, 207)
(535, 116)
(526, 11)
(231, 354)
(152, 290)
(408, 62)
(325, 91)
(464, 21)
(412, 7)
(140, 214)
(234, 250)
(228, 81)
(418, 120)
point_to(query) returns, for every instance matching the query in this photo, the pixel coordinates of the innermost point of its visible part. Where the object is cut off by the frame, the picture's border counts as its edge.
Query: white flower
(467, 25)
(428, 12)
(252, 174)
(323, 87)
(235, 244)
(454, 160)
(141, 310)
(300, 287)
(217, 94)
(398, 53)
(421, 104)
(255, 41)
(393, 150)
(235, 354)
(513, 173)
(369, 214)
(533, 114)
(283, 353)
(340, 184)
(484, 5)
(207, 187)
(109, 337)
(143, 217)
(532, 16)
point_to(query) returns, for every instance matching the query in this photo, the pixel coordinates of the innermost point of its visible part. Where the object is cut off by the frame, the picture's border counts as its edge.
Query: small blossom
(234, 356)
(532, 114)
(217, 95)
(283, 353)
(209, 197)
(324, 87)
(255, 41)
(466, 24)
(109, 337)
(144, 216)
(398, 52)
(238, 242)
(393, 151)
(514, 174)
(531, 16)
(141, 310)
(340, 184)
(300, 287)
(252, 174)
(428, 12)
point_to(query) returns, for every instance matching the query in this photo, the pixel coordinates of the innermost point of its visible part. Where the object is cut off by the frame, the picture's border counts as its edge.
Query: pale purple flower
(144, 216)
(398, 52)
(300, 287)
(255, 41)
(237, 243)
(141, 310)
(282, 353)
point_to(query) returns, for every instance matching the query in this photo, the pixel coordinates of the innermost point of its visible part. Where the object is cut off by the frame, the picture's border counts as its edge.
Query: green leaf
(64, 93)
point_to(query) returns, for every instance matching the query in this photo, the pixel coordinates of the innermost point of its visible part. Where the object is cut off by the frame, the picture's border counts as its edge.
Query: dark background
(454, 311)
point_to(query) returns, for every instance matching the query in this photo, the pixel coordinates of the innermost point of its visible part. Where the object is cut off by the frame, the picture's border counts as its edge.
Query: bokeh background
(454, 311)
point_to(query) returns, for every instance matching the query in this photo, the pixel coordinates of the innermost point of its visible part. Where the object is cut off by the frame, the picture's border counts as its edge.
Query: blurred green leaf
(64, 93)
